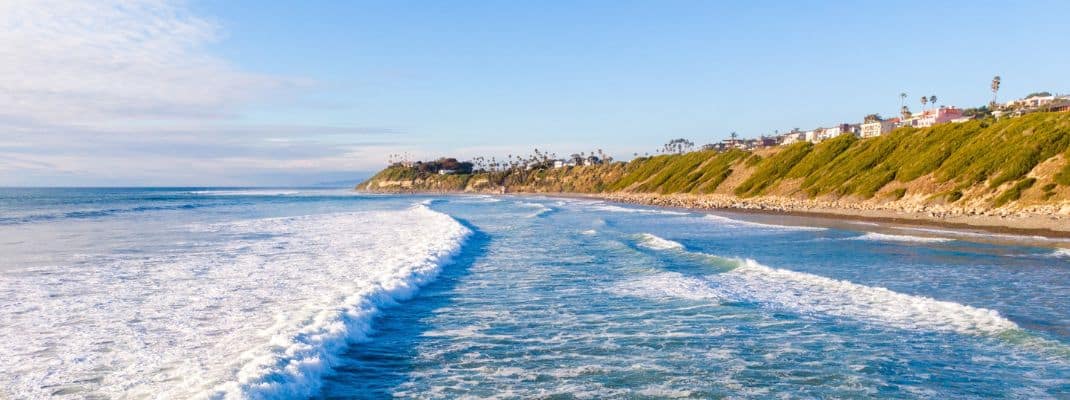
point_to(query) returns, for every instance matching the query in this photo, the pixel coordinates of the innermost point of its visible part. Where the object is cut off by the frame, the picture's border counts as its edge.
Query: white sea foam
(813, 294)
(735, 222)
(654, 242)
(540, 209)
(817, 295)
(619, 209)
(482, 198)
(884, 237)
(864, 223)
(261, 316)
(589, 232)
(981, 234)
(1060, 253)
(668, 285)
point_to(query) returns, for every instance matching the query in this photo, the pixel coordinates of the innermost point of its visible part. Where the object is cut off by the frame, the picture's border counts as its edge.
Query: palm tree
(924, 100)
(902, 99)
(905, 111)
(932, 100)
(995, 90)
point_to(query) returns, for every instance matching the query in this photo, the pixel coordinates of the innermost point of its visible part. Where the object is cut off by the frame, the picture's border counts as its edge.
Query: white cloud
(101, 61)
(126, 92)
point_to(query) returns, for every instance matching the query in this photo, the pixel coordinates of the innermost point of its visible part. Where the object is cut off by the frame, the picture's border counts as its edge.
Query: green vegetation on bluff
(967, 154)
(696, 172)
(993, 160)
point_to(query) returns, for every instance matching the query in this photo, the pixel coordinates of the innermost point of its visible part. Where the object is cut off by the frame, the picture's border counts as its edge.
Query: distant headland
(1007, 169)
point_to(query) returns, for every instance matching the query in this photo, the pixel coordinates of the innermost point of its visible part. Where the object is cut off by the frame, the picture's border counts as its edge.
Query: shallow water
(296, 293)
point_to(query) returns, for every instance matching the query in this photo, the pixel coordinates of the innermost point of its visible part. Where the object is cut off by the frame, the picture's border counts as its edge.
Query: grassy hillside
(987, 162)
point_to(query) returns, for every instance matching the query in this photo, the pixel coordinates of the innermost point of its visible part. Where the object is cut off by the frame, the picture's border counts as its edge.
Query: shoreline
(1026, 224)
(1035, 225)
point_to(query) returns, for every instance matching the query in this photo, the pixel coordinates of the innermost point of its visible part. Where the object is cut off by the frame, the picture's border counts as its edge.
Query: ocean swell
(808, 294)
(97, 213)
(735, 222)
(884, 237)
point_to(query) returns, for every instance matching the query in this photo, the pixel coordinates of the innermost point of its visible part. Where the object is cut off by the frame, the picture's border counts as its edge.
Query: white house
(791, 138)
(929, 118)
(878, 127)
(829, 133)
(1030, 102)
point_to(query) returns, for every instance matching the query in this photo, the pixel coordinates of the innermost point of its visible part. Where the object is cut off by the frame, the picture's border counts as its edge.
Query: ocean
(323, 293)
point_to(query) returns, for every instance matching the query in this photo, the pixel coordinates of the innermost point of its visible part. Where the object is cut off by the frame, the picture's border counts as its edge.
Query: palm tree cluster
(995, 90)
(928, 100)
(538, 160)
(680, 146)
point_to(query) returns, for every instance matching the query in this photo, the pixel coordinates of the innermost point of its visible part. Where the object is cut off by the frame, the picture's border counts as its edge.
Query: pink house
(929, 118)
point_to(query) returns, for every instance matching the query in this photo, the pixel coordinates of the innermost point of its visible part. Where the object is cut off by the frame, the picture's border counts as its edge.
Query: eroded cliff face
(978, 167)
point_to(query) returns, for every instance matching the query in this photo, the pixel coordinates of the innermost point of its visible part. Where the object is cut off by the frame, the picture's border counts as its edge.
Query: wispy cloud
(88, 62)
(113, 87)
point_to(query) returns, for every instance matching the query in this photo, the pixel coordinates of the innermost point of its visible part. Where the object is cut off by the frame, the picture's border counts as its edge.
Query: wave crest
(294, 364)
(654, 242)
(884, 237)
(805, 293)
(735, 222)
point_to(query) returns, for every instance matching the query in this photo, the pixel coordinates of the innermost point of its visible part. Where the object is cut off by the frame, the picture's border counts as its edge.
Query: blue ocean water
(296, 293)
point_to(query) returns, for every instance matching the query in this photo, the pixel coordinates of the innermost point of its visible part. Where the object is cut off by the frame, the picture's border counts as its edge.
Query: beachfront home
(1034, 103)
(1060, 105)
(929, 118)
(829, 133)
(1031, 102)
(792, 137)
(877, 127)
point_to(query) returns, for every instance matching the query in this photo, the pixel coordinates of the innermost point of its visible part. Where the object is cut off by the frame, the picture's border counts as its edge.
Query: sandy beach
(1019, 223)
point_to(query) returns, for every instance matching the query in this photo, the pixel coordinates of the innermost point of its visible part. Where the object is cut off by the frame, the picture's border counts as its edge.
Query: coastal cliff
(1001, 168)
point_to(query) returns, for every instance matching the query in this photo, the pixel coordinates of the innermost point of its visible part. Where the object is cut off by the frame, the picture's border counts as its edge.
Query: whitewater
(280, 293)
(259, 317)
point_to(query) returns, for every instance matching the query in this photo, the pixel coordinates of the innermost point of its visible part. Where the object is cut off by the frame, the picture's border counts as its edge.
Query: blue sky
(279, 93)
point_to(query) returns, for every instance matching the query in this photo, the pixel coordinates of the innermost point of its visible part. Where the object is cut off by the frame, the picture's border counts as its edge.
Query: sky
(279, 93)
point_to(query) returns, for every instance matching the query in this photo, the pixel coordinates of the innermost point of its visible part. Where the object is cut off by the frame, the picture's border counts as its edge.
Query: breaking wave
(1060, 253)
(808, 294)
(965, 233)
(619, 209)
(656, 243)
(884, 237)
(540, 209)
(262, 316)
(735, 222)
